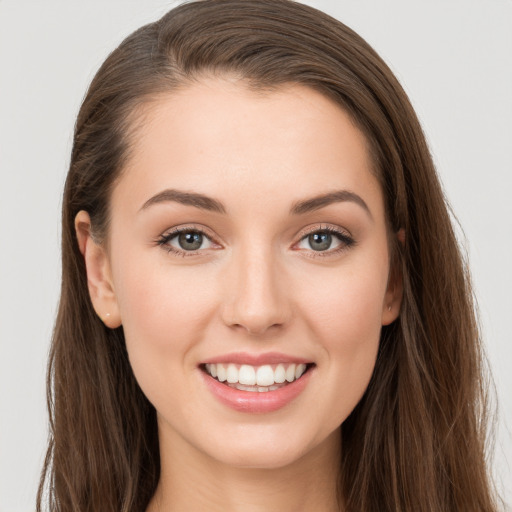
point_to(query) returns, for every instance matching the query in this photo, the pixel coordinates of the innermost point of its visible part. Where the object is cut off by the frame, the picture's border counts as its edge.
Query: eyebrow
(298, 208)
(338, 196)
(187, 198)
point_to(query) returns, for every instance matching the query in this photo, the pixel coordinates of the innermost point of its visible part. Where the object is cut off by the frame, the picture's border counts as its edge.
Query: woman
(263, 302)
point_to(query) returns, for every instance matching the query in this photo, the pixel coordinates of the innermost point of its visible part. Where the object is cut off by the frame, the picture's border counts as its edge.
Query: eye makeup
(187, 241)
(319, 241)
(318, 237)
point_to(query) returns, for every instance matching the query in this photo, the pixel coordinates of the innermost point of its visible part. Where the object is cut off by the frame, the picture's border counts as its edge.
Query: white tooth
(247, 375)
(301, 368)
(273, 388)
(207, 368)
(279, 374)
(221, 373)
(232, 374)
(213, 370)
(263, 390)
(265, 376)
(290, 373)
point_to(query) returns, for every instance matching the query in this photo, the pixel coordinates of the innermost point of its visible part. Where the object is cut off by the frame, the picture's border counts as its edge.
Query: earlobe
(99, 276)
(394, 292)
(391, 308)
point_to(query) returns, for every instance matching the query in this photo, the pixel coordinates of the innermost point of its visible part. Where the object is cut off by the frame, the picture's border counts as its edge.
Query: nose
(256, 298)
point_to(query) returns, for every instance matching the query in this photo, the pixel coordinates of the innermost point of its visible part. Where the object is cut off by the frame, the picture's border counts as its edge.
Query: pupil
(190, 241)
(320, 241)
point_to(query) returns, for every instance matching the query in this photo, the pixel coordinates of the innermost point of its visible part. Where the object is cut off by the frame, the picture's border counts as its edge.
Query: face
(248, 245)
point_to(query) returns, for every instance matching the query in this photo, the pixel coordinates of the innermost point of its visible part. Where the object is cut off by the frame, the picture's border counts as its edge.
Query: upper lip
(256, 359)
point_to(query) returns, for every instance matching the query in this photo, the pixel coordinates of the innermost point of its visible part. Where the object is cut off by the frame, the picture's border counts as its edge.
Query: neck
(191, 480)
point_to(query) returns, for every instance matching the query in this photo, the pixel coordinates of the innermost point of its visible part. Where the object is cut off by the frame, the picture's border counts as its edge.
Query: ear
(394, 292)
(99, 276)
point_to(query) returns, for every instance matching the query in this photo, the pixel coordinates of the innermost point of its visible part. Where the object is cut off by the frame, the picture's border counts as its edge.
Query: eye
(185, 240)
(189, 240)
(326, 240)
(320, 241)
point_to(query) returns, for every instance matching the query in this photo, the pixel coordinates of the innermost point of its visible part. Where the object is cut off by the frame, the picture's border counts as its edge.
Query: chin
(252, 458)
(270, 452)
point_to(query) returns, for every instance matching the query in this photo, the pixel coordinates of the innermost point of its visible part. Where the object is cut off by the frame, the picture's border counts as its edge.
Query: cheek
(156, 298)
(164, 312)
(345, 319)
(346, 309)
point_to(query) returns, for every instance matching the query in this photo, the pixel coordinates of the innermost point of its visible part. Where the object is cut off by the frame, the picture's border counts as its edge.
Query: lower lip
(253, 401)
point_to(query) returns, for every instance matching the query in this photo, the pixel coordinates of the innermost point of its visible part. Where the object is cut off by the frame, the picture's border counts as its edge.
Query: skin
(258, 286)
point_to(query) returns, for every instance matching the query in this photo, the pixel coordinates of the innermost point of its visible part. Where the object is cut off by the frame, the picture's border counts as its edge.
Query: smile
(260, 379)
(256, 384)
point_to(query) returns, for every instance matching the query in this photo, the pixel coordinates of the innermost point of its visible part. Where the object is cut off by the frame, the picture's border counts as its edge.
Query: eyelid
(343, 235)
(163, 239)
(331, 228)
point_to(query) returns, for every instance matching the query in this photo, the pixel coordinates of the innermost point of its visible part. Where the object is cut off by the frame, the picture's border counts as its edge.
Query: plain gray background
(454, 58)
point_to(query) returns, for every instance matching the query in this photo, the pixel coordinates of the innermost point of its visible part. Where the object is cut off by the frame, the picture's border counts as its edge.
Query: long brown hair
(416, 441)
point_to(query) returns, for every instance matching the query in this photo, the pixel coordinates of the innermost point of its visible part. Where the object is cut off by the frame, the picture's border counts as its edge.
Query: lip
(255, 359)
(252, 401)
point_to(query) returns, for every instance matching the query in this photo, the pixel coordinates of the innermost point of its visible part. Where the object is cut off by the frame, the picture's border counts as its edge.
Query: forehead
(221, 138)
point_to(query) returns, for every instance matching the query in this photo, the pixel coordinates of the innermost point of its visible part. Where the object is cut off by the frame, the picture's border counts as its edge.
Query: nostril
(256, 304)
(255, 329)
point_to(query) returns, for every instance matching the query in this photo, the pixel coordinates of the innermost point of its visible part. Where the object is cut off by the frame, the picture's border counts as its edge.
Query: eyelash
(346, 241)
(163, 240)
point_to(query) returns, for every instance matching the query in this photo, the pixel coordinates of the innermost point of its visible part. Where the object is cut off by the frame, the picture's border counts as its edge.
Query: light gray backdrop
(454, 58)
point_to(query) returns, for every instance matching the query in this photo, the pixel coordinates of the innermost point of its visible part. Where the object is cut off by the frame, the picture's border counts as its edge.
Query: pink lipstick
(256, 383)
